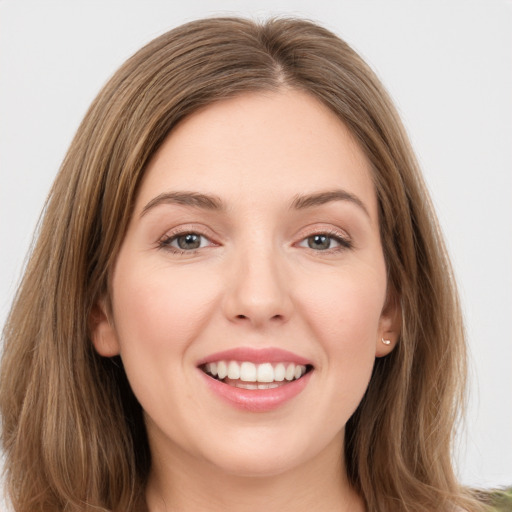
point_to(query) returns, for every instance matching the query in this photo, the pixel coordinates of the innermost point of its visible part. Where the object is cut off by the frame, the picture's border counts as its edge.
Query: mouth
(256, 380)
(255, 376)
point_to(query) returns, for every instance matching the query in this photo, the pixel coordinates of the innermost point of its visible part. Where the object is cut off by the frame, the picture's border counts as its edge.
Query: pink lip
(262, 355)
(256, 400)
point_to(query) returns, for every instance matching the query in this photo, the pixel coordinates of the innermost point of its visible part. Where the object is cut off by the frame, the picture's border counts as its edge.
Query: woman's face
(254, 249)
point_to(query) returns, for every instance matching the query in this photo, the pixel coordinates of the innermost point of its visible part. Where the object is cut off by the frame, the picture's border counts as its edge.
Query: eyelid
(169, 242)
(172, 234)
(341, 236)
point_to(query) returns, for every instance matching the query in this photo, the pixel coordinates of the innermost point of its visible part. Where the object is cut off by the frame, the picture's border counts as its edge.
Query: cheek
(158, 312)
(343, 311)
(156, 308)
(345, 306)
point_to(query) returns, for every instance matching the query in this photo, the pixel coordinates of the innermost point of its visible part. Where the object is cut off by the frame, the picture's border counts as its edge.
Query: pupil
(321, 242)
(189, 241)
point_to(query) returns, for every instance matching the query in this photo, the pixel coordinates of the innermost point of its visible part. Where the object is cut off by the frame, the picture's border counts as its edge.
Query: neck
(183, 483)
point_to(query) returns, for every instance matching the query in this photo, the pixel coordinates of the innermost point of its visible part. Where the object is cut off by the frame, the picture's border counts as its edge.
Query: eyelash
(343, 241)
(167, 240)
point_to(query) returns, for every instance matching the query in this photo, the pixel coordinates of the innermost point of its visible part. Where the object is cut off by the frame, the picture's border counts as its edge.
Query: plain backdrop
(448, 66)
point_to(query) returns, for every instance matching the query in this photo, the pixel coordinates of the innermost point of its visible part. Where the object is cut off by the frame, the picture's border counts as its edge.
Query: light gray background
(448, 66)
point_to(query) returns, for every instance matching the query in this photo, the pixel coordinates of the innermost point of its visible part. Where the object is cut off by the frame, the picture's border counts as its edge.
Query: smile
(248, 375)
(256, 380)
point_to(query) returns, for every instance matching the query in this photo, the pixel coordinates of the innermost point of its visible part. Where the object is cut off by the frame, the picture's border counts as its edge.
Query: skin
(254, 282)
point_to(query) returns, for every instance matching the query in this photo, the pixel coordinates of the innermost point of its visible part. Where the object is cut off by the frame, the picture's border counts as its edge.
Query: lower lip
(257, 400)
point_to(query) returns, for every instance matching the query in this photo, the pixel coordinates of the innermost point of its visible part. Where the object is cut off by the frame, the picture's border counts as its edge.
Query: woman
(239, 296)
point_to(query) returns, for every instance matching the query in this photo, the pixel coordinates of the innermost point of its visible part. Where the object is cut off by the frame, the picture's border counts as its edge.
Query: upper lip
(259, 355)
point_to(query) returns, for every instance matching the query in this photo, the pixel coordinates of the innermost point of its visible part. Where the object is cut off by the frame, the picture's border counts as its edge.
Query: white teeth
(290, 372)
(222, 370)
(279, 372)
(246, 385)
(266, 374)
(233, 370)
(248, 372)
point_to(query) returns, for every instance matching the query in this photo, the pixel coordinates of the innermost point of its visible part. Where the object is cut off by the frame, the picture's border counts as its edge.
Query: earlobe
(103, 333)
(389, 327)
(385, 345)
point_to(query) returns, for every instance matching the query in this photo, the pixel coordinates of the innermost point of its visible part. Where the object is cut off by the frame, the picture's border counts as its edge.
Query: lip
(261, 355)
(256, 400)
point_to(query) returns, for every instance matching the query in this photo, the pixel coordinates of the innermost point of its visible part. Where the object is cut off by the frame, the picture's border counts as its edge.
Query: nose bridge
(258, 289)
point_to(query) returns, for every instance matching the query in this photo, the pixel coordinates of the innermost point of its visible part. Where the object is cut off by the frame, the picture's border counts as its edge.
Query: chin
(265, 455)
(257, 465)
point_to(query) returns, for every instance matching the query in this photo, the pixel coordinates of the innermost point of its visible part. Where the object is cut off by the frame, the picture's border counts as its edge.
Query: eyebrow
(214, 203)
(311, 200)
(194, 199)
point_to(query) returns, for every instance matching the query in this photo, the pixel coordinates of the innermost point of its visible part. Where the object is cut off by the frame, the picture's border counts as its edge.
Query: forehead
(260, 145)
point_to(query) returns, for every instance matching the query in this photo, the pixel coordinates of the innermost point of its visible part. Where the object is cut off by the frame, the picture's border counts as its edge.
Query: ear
(103, 333)
(390, 325)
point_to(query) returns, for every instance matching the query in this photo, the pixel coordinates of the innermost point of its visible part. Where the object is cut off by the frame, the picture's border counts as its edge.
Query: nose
(258, 291)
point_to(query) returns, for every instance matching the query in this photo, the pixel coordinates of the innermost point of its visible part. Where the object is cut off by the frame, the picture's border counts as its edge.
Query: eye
(185, 242)
(324, 242)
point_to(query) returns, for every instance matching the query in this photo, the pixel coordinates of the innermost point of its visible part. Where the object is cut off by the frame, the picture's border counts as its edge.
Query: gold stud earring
(386, 342)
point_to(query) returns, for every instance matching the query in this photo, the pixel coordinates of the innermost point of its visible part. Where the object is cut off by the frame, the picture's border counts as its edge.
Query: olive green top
(501, 501)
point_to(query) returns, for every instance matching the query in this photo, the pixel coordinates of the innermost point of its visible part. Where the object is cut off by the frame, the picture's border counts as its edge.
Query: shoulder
(495, 500)
(492, 500)
(501, 501)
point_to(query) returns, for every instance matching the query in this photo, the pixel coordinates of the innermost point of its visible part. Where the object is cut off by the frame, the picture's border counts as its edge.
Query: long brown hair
(72, 431)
